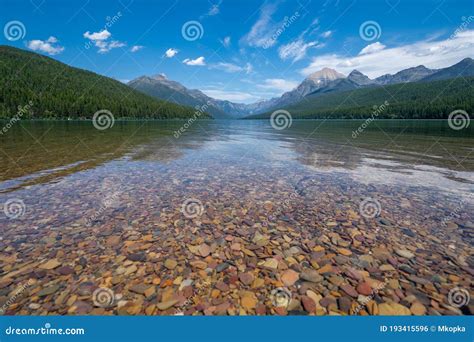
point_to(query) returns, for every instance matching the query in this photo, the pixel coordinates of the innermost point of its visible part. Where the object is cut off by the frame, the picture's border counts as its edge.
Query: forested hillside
(418, 100)
(60, 91)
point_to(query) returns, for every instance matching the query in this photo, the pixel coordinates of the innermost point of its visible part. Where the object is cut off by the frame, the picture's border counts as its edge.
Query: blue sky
(242, 50)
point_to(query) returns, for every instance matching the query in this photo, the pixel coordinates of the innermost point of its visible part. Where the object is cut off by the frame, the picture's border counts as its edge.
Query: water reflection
(424, 152)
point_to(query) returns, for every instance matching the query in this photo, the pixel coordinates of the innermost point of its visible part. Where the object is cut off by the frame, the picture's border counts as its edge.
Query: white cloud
(48, 46)
(100, 40)
(170, 53)
(260, 35)
(230, 67)
(195, 62)
(430, 53)
(136, 48)
(278, 84)
(226, 41)
(115, 44)
(234, 96)
(311, 29)
(227, 67)
(102, 35)
(371, 48)
(326, 34)
(248, 68)
(105, 46)
(295, 50)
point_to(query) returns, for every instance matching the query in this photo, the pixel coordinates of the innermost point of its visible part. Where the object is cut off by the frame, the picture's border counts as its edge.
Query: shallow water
(74, 182)
(409, 153)
(47, 164)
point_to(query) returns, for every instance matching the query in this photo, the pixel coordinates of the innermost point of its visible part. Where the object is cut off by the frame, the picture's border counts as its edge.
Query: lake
(233, 217)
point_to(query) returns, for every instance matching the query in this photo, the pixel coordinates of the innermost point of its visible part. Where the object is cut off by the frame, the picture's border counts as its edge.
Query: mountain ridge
(412, 100)
(57, 90)
(163, 88)
(157, 96)
(323, 81)
(455, 70)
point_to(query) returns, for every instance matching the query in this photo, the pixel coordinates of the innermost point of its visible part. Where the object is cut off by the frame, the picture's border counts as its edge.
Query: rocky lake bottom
(237, 218)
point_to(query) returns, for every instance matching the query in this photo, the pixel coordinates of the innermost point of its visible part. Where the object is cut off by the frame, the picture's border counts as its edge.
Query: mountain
(328, 81)
(359, 78)
(354, 80)
(317, 80)
(314, 82)
(464, 68)
(416, 100)
(61, 91)
(161, 87)
(324, 81)
(57, 90)
(310, 84)
(407, 75)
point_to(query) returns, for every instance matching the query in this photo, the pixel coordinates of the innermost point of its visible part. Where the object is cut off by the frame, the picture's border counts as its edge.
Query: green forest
(420, 100)
(57, 90)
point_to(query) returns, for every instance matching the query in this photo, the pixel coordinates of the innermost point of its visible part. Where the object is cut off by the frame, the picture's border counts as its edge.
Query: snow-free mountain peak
(462, 68)
(359, 78)
(325, 74)
(407, 75)
(159, 77)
